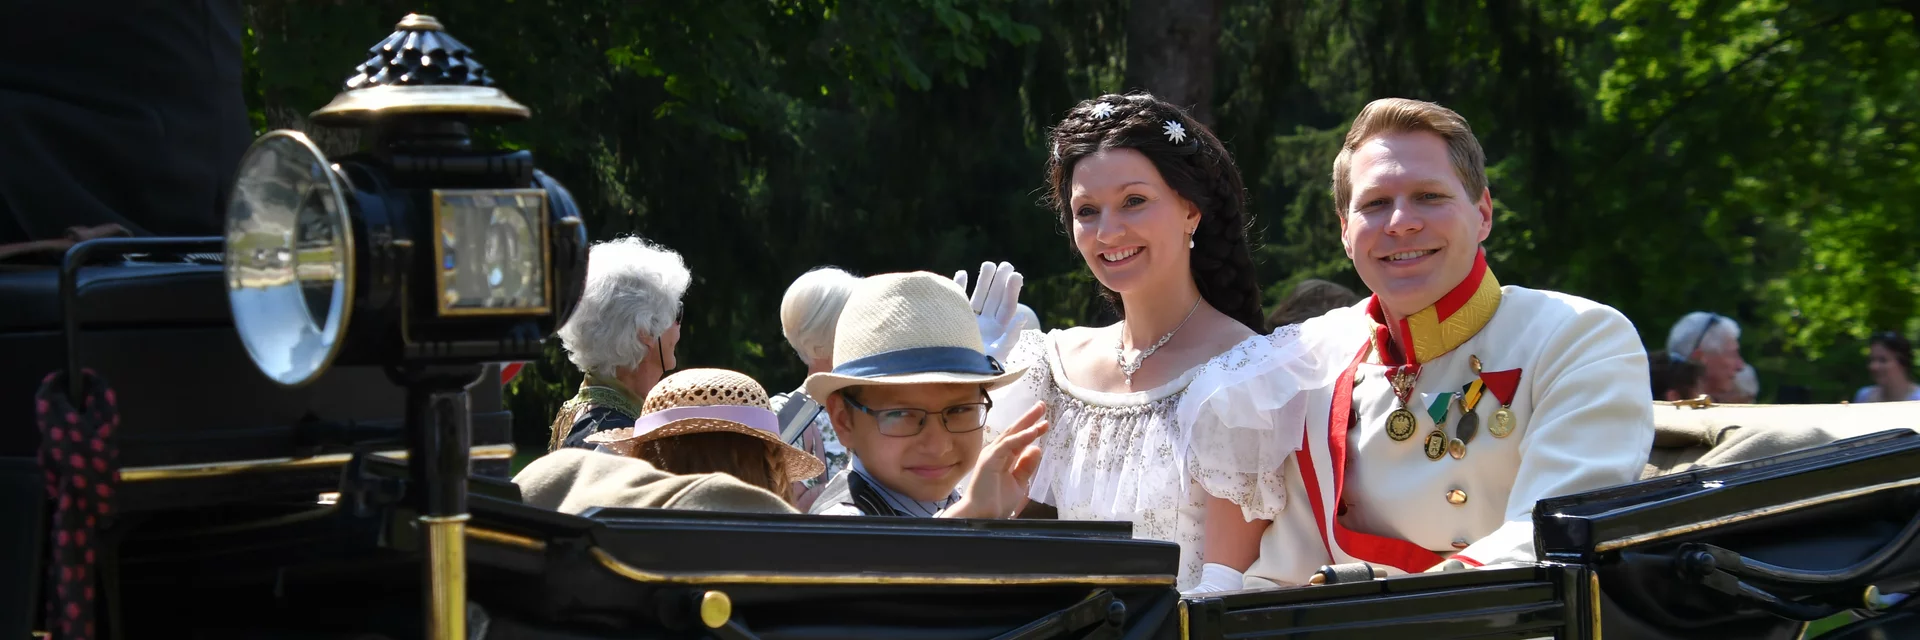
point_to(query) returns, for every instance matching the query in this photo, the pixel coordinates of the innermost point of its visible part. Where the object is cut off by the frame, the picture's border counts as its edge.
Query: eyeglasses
(906, 423)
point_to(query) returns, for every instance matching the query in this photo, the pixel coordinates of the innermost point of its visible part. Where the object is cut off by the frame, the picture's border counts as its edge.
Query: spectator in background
(1746, 387)
(1309, 299)
(808, 314)
(1890, 362)
(622, 335)
(1713, 341)
(1674, 378)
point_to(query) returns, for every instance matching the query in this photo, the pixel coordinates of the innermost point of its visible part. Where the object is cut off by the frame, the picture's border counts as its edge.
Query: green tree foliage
(1778, 140)
(1753, 157)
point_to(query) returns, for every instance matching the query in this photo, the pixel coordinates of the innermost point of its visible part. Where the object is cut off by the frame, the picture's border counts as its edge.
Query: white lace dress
(1151, 457)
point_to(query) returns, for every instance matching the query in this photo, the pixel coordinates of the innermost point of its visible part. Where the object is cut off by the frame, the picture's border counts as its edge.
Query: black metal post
(439, 439)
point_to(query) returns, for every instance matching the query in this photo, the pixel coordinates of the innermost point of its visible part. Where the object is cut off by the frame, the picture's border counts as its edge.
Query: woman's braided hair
(1199, 169)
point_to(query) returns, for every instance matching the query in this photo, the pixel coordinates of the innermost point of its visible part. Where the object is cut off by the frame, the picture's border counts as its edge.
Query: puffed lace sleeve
(1012, 401)
(1245, 414)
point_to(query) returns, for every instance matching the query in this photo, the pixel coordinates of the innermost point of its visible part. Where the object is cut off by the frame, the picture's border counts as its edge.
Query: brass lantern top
(419, 69)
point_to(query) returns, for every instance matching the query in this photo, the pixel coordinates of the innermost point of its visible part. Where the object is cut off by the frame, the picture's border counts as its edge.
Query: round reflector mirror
(289, 258)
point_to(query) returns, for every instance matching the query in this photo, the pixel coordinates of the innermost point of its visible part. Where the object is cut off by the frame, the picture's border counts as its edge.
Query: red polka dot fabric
(79, 458)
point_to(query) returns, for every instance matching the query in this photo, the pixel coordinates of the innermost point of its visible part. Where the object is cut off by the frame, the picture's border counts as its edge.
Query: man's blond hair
(1400, 115)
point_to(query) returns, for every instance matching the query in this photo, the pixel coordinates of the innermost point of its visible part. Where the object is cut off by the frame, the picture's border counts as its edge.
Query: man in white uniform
(1462, 402)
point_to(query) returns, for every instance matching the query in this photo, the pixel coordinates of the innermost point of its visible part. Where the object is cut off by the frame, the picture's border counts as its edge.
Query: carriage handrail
(1734, 563)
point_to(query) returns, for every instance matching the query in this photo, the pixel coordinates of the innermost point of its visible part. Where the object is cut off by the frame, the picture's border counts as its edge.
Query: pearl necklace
(1120, 349)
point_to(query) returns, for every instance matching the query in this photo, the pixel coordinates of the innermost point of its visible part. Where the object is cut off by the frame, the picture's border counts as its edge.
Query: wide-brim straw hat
(709, 401)
(908, 328)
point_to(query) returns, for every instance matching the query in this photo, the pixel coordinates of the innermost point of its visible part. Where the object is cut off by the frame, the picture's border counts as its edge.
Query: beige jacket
(575, 480)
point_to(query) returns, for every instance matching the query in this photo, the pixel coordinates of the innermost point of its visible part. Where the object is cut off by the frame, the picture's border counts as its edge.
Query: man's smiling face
(1411, 228)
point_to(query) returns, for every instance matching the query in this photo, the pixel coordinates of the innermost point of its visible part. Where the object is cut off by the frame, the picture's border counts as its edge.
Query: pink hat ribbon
(754, 417)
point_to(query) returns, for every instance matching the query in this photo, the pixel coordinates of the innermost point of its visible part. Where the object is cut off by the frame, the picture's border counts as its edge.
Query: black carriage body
(625, 573)
(202, 431)
(195, 408)
(1543, 601)
(1752, 550)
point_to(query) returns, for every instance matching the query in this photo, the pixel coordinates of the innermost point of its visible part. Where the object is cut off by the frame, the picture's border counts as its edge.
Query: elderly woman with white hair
(1713, 341)
(809, 312)
(621, 335)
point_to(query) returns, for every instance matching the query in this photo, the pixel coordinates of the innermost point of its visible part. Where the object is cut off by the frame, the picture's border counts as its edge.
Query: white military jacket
(1571, 373)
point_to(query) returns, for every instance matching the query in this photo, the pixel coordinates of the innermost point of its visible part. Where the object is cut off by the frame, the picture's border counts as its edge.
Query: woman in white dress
(1156, 208)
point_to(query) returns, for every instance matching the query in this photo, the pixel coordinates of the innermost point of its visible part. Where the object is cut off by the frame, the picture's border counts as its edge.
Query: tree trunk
(1171, 46)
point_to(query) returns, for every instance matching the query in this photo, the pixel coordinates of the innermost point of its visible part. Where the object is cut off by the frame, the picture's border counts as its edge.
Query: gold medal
(1502, 423)
(1503, 385)
(1436, 445)
(1400, 425)
(1456, 448)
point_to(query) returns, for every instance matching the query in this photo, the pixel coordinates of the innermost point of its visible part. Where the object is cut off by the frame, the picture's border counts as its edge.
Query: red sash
(1382, 550)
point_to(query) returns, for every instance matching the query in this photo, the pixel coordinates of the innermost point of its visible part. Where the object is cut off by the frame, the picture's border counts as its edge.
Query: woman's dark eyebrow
(1080, 200)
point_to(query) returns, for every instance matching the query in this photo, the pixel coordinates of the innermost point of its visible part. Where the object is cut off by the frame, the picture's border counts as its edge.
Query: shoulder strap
(866, 499)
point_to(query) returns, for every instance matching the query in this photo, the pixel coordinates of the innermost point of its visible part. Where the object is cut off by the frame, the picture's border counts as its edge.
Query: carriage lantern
(421, 253)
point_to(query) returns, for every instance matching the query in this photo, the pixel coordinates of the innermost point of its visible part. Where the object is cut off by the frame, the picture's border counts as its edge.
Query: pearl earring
(1189, 239)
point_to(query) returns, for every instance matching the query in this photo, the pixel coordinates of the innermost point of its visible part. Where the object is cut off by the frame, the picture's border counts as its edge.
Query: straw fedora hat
(908, 328)
(706, 401)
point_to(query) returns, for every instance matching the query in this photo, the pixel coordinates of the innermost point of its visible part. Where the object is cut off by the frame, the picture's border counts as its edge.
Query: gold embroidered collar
(1446, 324)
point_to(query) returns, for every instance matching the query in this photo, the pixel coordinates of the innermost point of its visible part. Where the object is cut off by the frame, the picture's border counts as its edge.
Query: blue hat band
(921, 360)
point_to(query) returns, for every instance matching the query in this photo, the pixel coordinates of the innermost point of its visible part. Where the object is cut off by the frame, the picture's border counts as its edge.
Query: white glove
(1215, 578)
(996, 306)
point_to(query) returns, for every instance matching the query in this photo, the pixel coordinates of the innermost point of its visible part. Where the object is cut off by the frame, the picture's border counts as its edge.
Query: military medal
(1436, 445)
(1502, 423)
(1438, 411)
(1469, 424)
(1401, 423)
(1502, 384)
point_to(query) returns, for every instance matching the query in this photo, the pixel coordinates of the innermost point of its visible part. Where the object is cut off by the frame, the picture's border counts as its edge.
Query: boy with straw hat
(908, 397)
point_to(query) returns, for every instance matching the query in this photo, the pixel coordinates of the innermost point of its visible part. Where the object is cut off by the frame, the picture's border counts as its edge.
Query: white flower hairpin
(1102, 111)
(1175, 132)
